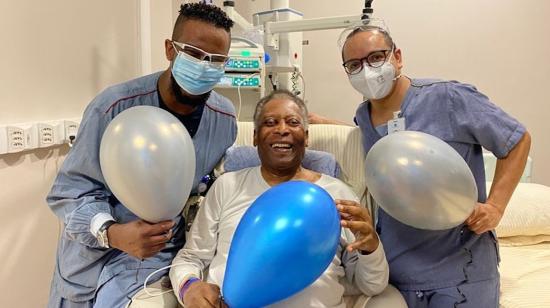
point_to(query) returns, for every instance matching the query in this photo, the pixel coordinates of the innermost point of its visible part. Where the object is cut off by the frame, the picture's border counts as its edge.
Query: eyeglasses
(374, 59)
(200, 54)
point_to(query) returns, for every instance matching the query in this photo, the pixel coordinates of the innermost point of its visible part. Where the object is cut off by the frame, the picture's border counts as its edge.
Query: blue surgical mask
(195, 76)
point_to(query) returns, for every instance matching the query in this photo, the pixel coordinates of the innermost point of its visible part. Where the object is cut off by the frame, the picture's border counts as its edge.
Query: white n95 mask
(374, 83)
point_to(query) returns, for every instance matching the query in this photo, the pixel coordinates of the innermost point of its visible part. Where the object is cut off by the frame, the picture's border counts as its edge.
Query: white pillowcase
(523, 240)
(527, 213)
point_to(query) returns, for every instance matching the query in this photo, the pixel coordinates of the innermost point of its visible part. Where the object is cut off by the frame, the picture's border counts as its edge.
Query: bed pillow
(527, 213)
(523, 240)
(240, 157)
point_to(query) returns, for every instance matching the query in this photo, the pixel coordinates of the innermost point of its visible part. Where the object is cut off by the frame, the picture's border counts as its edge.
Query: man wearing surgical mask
(445, 268)
(105, 251)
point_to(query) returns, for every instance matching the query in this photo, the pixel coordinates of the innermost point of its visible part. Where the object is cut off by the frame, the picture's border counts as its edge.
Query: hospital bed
(524, 232)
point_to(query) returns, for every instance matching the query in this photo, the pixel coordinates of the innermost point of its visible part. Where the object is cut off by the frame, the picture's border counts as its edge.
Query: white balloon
(148, 161)
(420, 180)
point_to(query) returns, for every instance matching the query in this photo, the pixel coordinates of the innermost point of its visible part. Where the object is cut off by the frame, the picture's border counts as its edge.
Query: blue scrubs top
(80, 192)
(464, 118)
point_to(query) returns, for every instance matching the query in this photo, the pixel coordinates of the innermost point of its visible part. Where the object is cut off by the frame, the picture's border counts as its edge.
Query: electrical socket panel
(50, 133)
(17, 141)
(27, 136)
(17, 137)
(46, 135)
(71, 129)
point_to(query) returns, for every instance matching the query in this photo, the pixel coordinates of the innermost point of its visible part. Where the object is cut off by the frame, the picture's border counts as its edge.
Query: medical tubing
(304, 85)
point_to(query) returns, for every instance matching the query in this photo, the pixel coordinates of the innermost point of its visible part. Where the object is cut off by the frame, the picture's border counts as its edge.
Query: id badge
(396, 125)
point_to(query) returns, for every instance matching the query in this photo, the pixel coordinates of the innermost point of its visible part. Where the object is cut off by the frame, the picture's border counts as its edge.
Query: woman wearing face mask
(447, 267)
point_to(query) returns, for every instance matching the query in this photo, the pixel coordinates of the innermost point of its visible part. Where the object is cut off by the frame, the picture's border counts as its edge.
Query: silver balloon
(420, 180)
(148, 161)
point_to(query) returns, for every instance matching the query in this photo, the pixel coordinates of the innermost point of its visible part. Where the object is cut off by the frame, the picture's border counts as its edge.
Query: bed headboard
(346, 144)
(490, 162)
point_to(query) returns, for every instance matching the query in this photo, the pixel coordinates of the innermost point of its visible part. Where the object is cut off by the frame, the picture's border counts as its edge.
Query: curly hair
(204, 12)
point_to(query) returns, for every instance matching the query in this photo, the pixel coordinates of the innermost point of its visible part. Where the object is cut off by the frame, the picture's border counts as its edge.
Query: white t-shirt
(210, 237)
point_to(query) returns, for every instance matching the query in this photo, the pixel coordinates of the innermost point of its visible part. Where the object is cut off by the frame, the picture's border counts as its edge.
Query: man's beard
(186, 99)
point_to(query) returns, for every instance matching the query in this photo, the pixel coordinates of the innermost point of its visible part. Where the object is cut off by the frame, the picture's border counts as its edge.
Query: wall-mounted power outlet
(71, 130)
(46, 135)
(27, 136)
(16, 139)
(50, 133)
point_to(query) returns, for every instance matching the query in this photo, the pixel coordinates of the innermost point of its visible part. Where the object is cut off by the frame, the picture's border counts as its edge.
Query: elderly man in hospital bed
(281, 135)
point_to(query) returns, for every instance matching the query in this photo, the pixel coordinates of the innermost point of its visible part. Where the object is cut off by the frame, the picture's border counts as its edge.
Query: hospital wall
(500, 46)
(57, 55)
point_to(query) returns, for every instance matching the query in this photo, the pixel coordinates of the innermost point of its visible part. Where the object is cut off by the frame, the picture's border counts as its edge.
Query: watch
(102, 237)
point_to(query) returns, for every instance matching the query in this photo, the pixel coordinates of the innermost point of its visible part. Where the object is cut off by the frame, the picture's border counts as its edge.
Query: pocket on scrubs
(80, 265)
(495, 242)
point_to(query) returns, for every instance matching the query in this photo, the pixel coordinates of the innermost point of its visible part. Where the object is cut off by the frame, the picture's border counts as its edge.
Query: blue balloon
(283, 243)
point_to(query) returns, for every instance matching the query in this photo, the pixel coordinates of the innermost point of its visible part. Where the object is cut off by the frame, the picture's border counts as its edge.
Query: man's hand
(485, 217)
(139, 238)
(358, 220)
(201, 294)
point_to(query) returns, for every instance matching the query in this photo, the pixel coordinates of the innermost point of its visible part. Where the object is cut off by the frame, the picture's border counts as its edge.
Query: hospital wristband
(186, 286)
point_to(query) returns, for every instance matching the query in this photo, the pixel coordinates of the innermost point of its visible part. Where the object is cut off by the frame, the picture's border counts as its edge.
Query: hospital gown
(210, 239)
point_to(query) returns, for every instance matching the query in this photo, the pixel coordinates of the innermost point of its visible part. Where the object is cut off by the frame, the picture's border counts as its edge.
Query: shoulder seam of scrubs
(128, 97)
(219, 111)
